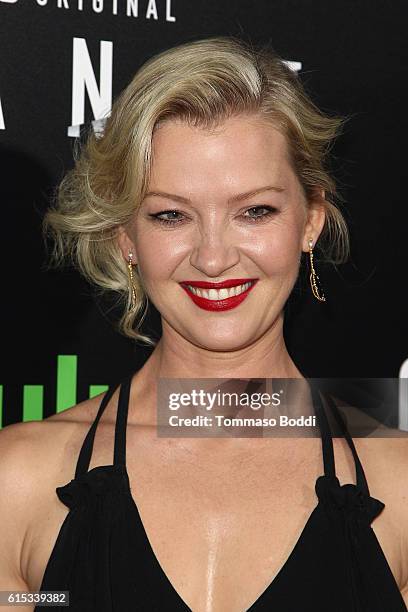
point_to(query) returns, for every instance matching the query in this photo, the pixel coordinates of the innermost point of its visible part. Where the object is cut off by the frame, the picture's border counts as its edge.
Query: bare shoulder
(381, 449)
(385, 462)
(31, 452)
(35, 457)
(383, 453)
(34, 448)
(381, 445)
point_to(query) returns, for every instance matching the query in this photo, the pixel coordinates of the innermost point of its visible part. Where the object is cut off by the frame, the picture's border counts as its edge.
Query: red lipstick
(222, 304)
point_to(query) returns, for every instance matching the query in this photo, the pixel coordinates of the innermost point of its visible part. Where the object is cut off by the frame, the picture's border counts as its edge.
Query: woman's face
(222, 204)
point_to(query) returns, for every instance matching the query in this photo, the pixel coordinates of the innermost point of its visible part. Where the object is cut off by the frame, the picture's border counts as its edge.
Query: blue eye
(157, 217)
(270, 210)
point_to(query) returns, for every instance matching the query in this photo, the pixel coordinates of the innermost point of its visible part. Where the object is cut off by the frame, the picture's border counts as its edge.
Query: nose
(215, 251)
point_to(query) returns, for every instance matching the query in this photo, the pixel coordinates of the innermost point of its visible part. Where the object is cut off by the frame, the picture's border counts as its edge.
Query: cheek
(278, 251)
(157, 258)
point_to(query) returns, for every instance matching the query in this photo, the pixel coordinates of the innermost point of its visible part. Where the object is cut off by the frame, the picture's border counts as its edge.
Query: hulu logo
(33, 395)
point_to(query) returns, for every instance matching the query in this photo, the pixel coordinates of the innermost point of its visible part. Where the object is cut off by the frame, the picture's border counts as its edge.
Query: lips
(231, 282)
(226, 303)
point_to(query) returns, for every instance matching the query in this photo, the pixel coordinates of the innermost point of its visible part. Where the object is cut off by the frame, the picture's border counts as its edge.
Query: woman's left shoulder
(383, 450)
(386, 454)
(385, 463)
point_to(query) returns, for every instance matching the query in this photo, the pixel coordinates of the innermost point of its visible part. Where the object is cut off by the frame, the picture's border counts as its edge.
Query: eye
(176, 220)
(270, 210)
(158, 217)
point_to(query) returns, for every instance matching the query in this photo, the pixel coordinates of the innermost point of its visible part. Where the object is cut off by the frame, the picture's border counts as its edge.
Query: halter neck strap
(325, 432)
(327, 438)
(85, 454)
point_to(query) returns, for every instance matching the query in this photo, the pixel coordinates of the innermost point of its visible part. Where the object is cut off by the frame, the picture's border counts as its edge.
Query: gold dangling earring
(131, 281)
(314, 279)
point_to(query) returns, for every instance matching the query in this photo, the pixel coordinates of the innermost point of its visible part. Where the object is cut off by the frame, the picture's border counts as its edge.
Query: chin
(222, 342)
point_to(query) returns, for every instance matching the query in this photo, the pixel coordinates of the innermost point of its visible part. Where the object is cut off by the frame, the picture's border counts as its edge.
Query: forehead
(240, 149)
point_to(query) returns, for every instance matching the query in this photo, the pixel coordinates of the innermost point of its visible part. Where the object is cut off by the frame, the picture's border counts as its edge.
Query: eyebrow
(236, 198)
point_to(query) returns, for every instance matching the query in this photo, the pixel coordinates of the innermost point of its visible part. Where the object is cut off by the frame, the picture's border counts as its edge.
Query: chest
(222, 520)
(222, 526)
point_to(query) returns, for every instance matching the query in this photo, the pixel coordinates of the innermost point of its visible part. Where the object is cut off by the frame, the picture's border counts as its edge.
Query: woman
(210, 169)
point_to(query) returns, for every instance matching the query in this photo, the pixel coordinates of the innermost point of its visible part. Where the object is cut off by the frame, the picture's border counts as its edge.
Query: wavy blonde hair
(202, 82)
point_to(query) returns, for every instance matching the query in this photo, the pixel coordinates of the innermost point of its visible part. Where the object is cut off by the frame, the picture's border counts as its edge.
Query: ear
(316, 216)
(125, 243)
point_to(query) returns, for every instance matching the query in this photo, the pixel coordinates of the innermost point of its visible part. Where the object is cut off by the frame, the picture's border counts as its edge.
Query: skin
(216, 546)
(217, 240)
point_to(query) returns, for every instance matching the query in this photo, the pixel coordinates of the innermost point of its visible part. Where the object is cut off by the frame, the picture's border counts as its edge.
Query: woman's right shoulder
(30, 452)
(35, 457)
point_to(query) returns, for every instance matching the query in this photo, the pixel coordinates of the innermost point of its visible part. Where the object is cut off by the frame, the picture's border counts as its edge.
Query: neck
(175, 357)
(267, 357)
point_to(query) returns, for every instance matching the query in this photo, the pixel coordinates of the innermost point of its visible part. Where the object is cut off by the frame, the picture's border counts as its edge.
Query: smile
(229, 294)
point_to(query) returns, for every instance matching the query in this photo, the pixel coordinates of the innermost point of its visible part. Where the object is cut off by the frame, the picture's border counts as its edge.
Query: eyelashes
(270, 211)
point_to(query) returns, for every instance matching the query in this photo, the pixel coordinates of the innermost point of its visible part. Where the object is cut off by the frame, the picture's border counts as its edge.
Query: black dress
(103, 557)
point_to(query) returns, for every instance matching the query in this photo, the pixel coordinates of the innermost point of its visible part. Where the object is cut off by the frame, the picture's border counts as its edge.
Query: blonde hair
(202, 82)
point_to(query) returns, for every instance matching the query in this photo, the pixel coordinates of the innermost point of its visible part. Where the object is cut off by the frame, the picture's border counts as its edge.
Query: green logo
(66, 396)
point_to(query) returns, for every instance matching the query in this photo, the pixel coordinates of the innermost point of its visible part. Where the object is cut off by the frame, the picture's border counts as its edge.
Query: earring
(314, 279)
(131, 280)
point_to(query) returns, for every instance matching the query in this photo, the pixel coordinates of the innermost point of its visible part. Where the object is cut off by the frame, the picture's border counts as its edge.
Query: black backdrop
(353, 57)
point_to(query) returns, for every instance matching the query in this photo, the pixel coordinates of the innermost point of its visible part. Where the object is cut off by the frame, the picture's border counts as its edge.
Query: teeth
(219, 294)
